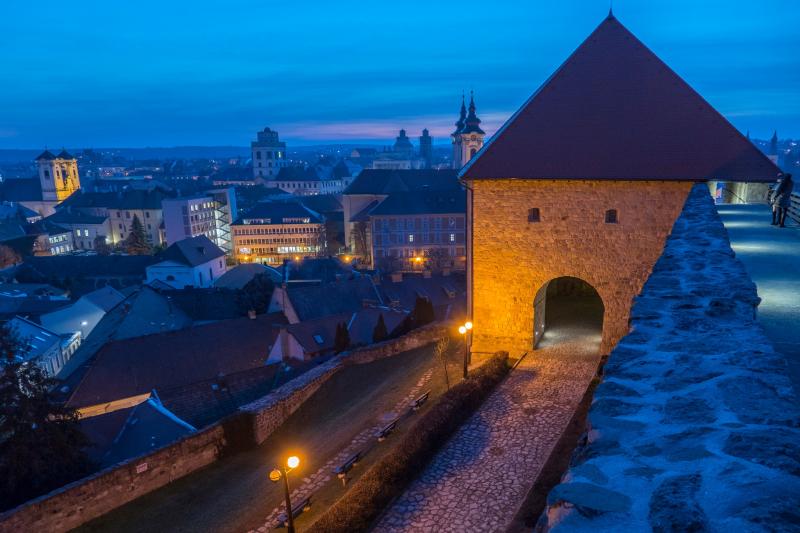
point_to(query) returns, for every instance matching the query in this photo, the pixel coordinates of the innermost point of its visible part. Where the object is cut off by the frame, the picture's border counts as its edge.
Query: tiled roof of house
(240, 275)
(422, 202)
(344, 296)
(318, 335)
(162, 361)
(39, 340)
(131, 199)
(322, 203)
(142, 312)
(31, 307)
(216, 303)
(193, 251)
(106, 298)
(614, 110)
(385, 181)
(69, 216)
(448, 294)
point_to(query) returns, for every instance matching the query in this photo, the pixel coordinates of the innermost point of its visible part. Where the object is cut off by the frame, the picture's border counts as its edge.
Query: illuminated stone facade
(58, 175)
(513, 258)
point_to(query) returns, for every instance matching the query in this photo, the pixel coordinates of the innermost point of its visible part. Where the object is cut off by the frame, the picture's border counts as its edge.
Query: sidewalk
(482, 475)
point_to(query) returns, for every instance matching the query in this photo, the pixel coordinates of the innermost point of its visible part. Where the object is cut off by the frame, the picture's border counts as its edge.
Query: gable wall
(512, 258)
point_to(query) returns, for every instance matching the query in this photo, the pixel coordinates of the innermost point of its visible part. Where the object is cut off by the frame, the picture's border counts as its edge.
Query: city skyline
(170, 76)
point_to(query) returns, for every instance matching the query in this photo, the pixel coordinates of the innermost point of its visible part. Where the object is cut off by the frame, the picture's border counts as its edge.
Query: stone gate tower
(468, 136)
(585, 181)
(58, 175)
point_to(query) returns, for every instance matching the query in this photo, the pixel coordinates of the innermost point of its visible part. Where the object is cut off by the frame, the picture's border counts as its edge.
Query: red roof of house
(614, 110)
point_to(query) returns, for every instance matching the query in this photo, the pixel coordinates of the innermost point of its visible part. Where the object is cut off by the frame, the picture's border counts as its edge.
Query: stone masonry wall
(695, 426)
(269, 412)
(77, 503)
(74, 504)
(513, 259)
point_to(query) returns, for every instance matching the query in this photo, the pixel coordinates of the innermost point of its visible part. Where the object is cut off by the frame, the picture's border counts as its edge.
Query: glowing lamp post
(275, 476)
(464, 330)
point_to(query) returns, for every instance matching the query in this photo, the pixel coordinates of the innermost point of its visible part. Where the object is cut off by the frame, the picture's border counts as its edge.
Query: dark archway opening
(567, 309)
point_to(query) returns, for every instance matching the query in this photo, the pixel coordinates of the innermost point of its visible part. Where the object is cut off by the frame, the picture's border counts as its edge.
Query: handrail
(794, 207)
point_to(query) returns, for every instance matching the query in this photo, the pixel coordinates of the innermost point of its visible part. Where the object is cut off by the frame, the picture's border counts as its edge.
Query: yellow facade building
(58, 175)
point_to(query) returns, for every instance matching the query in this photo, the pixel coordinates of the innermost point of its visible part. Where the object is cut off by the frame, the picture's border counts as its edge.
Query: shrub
(390, 476)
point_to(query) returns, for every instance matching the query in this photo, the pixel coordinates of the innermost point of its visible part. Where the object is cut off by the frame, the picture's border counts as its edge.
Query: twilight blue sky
(163, 73)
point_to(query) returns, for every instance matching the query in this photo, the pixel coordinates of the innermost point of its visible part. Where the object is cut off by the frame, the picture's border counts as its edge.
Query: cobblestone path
(483, 474)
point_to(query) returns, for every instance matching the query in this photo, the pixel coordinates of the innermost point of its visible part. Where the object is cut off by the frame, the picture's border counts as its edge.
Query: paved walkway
(485, 471)
(771, 256)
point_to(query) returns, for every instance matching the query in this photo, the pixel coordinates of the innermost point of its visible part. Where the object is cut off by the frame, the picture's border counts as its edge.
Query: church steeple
(472, 123)
(462, 116)
(468, 137)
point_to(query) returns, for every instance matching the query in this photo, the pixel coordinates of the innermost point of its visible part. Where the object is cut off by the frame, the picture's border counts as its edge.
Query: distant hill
(174, 152)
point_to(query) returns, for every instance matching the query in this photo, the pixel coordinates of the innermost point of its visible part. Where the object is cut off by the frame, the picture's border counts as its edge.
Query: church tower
(468, 137)
(772, 153)
(58, 175)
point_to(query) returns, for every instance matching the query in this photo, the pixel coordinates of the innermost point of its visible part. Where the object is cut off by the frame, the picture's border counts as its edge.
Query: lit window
(452, 237)
(611, 216)
(410, 238)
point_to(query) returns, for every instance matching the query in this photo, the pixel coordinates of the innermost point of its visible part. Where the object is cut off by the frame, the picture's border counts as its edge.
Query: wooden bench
(387, 430)
(297, 509)
(420, 401)
(344, 468)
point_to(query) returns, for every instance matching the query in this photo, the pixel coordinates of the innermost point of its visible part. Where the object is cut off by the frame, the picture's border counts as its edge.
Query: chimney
(397, 277)
(251, 314)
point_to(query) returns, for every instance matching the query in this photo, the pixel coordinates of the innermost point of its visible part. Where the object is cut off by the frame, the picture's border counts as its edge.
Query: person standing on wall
(771, 198)
(783, 198)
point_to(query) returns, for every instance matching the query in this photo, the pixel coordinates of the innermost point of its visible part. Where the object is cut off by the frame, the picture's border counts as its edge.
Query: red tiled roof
(614, 110)
(162, 361)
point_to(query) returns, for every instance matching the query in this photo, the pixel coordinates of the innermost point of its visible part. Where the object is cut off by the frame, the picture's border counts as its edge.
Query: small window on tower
(533, 214)
(611, 216)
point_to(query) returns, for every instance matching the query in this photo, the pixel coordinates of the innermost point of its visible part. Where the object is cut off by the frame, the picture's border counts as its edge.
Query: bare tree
(439, 258)
(440, 351)
(360, 239)
(8, 256)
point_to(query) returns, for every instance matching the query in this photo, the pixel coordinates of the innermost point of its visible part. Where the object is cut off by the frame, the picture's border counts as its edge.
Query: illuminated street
(235, 494)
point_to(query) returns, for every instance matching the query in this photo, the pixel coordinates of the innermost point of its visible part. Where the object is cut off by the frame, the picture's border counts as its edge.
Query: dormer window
(533, 214)
(611, 216)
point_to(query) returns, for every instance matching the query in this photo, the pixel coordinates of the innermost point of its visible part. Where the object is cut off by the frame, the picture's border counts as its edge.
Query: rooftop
(385, 181)
(280, 213)
(193, 251)
(138, 365)
(614, 110)
(422, 202)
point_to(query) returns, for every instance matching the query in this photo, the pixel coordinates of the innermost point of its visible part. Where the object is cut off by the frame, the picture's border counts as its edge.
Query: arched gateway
(567, 309)
(586, 180)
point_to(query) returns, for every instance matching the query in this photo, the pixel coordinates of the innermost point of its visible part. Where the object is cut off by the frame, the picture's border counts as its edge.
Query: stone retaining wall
(269, 412)
(77, 503)
(695, 425)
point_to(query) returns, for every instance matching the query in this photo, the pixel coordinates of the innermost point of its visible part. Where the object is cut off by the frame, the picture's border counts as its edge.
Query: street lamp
(464, 330)
(275, 476)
